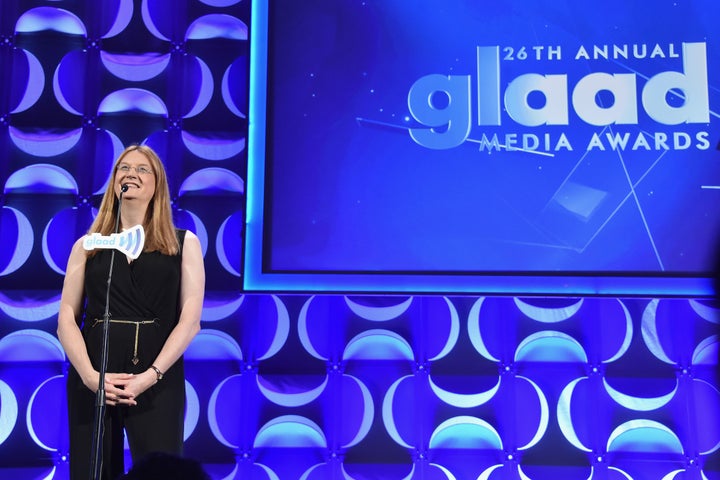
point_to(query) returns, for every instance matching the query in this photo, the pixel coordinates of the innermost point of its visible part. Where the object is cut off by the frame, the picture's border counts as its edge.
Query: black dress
(144, 308)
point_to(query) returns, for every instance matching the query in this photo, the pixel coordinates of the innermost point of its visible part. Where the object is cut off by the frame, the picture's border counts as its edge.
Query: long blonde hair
(158, 223)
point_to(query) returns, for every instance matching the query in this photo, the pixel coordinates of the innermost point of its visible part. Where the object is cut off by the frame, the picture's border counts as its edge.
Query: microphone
(124, 243)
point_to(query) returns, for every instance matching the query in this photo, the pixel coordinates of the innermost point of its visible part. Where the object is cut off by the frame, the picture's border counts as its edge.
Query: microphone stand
(100, 407)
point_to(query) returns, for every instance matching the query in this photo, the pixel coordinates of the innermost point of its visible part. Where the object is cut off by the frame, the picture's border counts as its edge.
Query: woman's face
(135, 171)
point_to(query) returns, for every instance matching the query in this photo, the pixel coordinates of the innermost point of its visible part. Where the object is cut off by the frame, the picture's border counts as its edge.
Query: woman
(155, 307)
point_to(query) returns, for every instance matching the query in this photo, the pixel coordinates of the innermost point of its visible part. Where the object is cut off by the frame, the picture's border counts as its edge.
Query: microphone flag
(130, 242)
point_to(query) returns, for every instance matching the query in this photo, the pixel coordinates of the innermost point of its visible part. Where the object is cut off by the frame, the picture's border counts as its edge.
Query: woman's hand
(139, 383)
(116, 388)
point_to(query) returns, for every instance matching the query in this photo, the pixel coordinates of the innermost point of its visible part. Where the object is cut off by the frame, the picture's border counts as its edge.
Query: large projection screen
(526, 146)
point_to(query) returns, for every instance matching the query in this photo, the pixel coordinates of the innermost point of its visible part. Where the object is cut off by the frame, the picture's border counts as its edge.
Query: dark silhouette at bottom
(160, 466)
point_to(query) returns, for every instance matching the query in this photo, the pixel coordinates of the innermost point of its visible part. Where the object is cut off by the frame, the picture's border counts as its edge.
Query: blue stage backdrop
(435, 146)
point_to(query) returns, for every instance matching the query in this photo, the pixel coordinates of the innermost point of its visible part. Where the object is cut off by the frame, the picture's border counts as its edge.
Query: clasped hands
(124, 388)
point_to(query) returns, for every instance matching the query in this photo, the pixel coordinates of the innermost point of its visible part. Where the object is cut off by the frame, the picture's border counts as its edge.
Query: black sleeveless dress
(144, 308)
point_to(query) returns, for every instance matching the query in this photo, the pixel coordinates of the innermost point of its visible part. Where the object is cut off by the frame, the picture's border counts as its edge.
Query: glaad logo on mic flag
(130, 242)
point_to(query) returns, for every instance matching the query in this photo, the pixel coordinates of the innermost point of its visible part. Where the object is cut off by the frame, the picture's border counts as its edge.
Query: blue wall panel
(311, 385)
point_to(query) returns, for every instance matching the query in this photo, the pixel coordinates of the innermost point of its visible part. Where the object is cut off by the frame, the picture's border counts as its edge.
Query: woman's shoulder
(186, 237)
(78, 252)
(183, 233)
